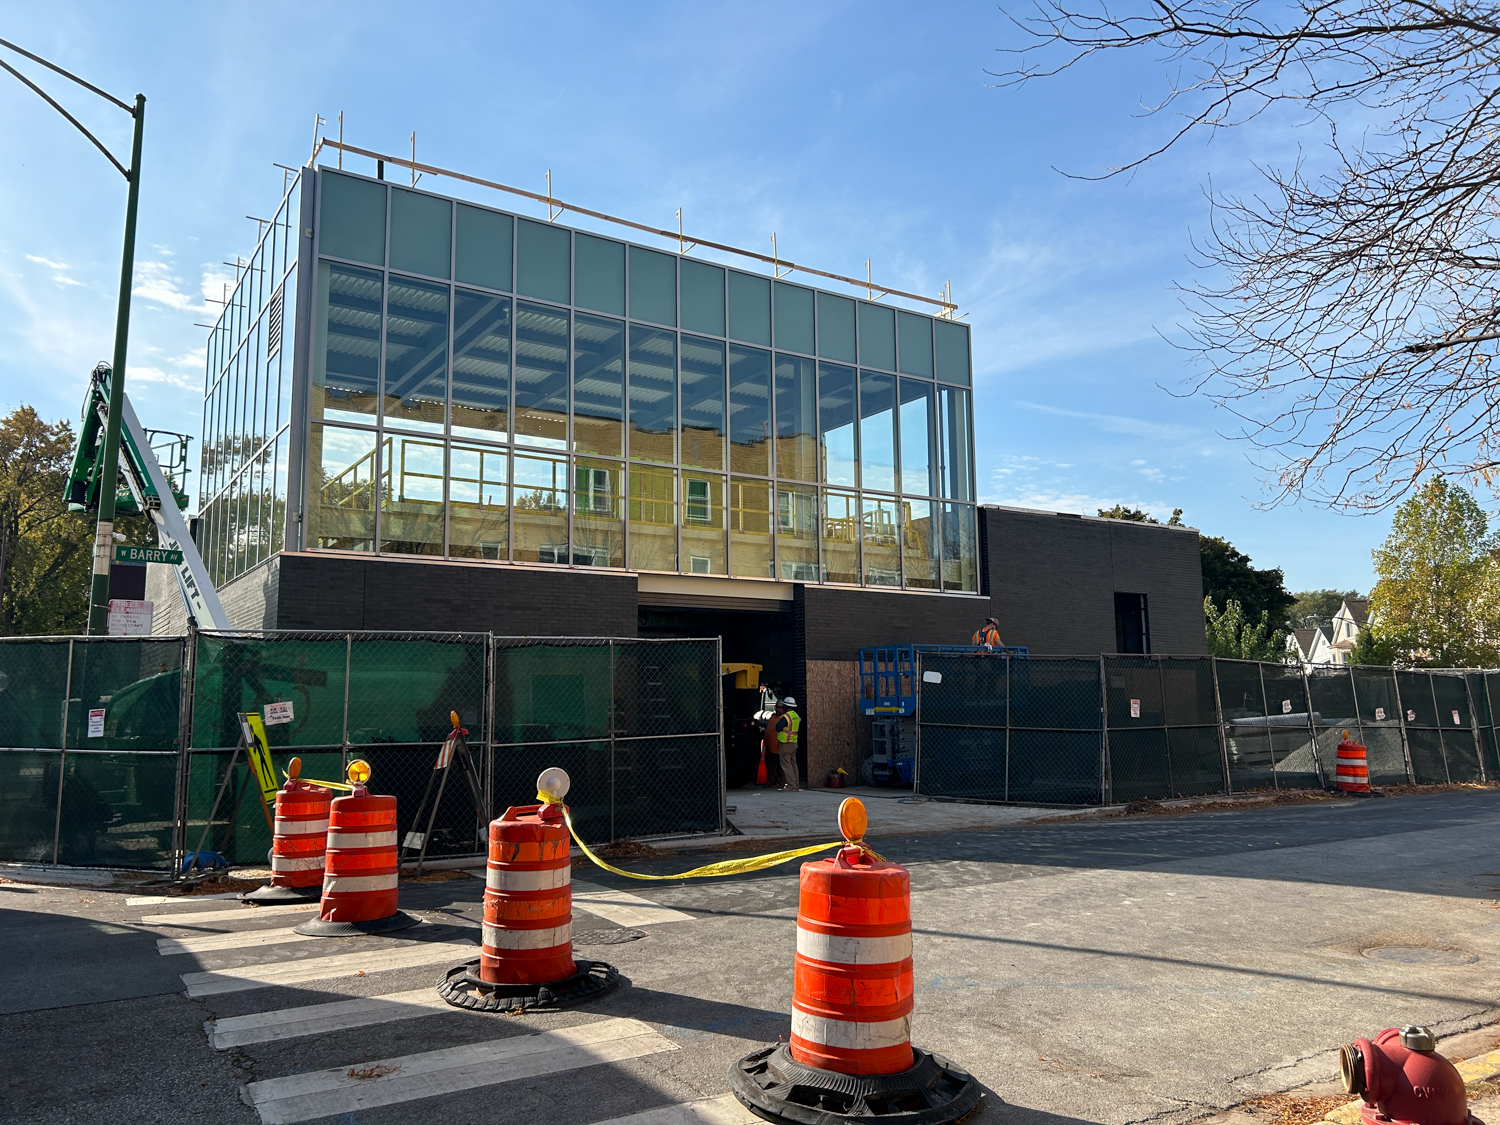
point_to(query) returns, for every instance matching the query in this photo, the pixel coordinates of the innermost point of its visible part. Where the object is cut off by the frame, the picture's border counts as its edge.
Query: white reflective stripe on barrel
(349, 840)
(844, 950)
(508, 879)
(850, 1036)
(496, 938)
(300, 863)
(286, 827)
(345, 884)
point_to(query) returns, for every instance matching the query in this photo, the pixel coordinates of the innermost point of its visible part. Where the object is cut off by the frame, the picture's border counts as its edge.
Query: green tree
(1435, 596)
(1231, 635)
(1228, 576)
(1136, 515)
(1374, 645)
(1317, 607)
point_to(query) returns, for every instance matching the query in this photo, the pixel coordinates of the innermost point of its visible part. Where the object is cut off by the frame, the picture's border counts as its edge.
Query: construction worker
(988, 635)
(781, 738)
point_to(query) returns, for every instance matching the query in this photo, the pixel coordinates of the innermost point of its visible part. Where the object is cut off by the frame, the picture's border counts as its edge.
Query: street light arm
(53, 103)
(67, 74)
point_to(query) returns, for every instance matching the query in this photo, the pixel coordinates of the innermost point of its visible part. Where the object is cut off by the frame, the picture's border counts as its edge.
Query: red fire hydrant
(1404, 1081)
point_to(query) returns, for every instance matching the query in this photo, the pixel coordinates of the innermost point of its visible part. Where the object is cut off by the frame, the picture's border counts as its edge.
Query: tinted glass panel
(836, 422)
(411, 501)
(836, 327)
(653, 286)
(352, 219)
(797, 532)
(881, 541)
(702, 402)
(598, 385)
(919, 545)
(346, 354)
(749, 308)
(955, 444)
(703, 550)
(750, 528)
(951, 342)
(421, 230)
(416, 354)
(478, 499)
(483, 249)
(877, 337)
(960, 549)
(652, 511)
(542, 262)
(481, 365)
(540, 517)
(598, 513)
(653, 394)
(749, 411)
(796, 414)
(541, 379)
(877, 431)
(341, 489)
(794, 317)
(702, 289)
(840, 537)
(918, 465)
(599, 281)
(915, 337)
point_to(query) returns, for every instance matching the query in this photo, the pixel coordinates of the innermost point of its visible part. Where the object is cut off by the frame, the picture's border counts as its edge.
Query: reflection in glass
(840, 537)
(881, 542)
(346, 355)
(749, 411)
(598, 385)
(341, 489)
(411, 495)
(703, 524)
(919, 543)
(960, 549)
(796, 417)
(540, 519)
(877, 431)
(750, 528)
(481, 365)
(918, 465)
(541, 376)
(955, 443)
(598, 514)
(836, 421)
(416, 354)
(652, 512)
(653, 394)
(702, 403)
(797, 532)
(478, 503)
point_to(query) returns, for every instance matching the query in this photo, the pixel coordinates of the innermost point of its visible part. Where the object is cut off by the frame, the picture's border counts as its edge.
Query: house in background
(1313, 646)
(1347, 622)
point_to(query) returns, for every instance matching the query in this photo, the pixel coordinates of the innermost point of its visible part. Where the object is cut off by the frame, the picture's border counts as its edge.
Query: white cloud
(155, 281)
(142, 374)
(1123, 423)
(59, 269)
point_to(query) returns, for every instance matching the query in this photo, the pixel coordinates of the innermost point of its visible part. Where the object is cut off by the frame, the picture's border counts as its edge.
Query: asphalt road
(1109, 971)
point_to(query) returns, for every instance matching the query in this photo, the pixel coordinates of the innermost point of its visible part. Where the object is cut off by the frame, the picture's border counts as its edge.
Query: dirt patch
(622, 849)
(1409, 790)
(435, 877)
(1295, 1109)
(218, 886)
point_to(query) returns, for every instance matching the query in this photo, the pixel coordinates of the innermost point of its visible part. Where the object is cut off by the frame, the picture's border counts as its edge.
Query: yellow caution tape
(708, 871)
(324, 784)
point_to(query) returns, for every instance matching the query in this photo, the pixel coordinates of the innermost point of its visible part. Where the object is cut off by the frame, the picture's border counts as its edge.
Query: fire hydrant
(1404, 1081)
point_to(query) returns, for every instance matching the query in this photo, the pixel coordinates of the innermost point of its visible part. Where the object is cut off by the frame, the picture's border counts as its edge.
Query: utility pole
(109, 469)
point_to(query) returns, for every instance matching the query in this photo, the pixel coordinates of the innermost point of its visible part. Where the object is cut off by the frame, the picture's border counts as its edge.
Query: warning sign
(1135, 708)
(96, 722)
(260, 756)
(1286, 706)
(278, 713)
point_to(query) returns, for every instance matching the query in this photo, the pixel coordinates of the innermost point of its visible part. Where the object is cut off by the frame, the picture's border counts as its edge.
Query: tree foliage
(1435, 599)
(1228, 576)
(1231, 635)
(44, 549)
(1136, 515)
(1314, 608)
(1353, 317)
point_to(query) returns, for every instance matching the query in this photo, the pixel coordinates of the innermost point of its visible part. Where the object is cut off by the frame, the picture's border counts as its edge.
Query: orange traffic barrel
(850, 1052)
(298, 841)
(526, 949)
(1352, 767)
(360, 893)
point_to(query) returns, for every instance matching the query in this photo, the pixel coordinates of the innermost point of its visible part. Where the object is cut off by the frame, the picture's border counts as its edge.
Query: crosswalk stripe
(316, 1019)
(238, 914)
(159, 900)
(325, 968)
(239, 939)
(325, 1093)
(723, 1110)
(623, 908)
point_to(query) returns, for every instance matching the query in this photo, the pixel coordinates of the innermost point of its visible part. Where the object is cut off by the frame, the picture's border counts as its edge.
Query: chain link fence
(1114, 729)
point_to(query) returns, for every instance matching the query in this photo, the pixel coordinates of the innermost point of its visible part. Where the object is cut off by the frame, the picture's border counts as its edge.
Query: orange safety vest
(987, 634)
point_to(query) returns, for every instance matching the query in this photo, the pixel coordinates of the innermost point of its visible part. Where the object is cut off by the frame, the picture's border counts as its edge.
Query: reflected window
(703, 548)
(919, 543)
(598, 514)
(346, 354)
(341, 489)
(481, 365)
(541, 376)
(918, 466)
(960, 549)
(653, 394)
(750, 553)
(877, 431)
(836, 448)
(840, 537)
(749, 411)
(797, 532)
(539, 527)
(416, 354)
(598, 385)
(880, 537)
(478, 503)
(652, 511)
(411, 504)
(702, 402)
(955, 442)
(796, 418)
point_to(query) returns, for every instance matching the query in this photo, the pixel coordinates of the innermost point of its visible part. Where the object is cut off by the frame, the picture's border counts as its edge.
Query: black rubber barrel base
(270, 894)
(779, 1088)
(316, 927)
(462, 988)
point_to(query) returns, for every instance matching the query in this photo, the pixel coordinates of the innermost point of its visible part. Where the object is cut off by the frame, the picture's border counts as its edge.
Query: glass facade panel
(750, 548)
(478, 503)
(703, 548)
(482, 248)
(416, 354)
(481, 365)
(836, 445)
(540, 515)
(543, 261)
(880, 541)
(421, 233)
(541, 377)
(598, 513)
(346, 354)
(411, 495)
(653, 286)
(749, 308)
(599, 272)
(702, 297)
(652, 511)
(341, 489)
(598, 385)
(840, 537)
(951, 344)
(351, 219)
(702, 402)
(797, 532)
(653, 394)
(914, 336)
(955, 444)
(796, 418)
(794, 317)
(919, 545)
(836, 328)
(749, 411)
(960, 549)
(918, 465)
(877, 431)
(877, 337)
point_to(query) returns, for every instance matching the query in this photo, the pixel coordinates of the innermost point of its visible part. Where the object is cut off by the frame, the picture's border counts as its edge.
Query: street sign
(147, 555)
(129, 618)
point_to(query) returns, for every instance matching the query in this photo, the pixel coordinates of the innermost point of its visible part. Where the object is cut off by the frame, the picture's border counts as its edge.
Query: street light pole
(109, 469)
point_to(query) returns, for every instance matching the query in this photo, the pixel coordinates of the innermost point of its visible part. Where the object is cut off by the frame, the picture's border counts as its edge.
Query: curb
(1478, 1069)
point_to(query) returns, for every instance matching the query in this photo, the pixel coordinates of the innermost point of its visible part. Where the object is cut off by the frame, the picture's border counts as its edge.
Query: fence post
(1265, 718)
(1166, 726)
(916, 750)
(62, 755)
(1411, 774)
(1437, 717)
(344, 736)
(1105, 786)
(1474, 724)
(1312, 728)
(183, 800)
(1213, 668)
(611, 740)
(723, 768)
(1009, 666)
(487, 725)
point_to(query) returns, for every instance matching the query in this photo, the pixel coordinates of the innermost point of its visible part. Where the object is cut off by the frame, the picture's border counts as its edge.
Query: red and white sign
(278, 713)
(1286, 706)
(1456, 720)
(96, 722)
(1380, 714)
(1135, 708)
(129, 618)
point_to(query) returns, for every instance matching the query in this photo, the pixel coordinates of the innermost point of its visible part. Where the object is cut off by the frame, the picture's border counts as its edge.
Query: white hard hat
(789, 701)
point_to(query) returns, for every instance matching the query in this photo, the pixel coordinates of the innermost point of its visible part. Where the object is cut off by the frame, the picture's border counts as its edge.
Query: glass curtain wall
(493, 387)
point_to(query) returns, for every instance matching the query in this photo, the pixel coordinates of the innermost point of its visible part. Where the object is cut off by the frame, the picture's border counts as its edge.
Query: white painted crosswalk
(235, 914)
(375, 959)
(623, 908)
(723, 1110)
(318, 1019)
(239, 939)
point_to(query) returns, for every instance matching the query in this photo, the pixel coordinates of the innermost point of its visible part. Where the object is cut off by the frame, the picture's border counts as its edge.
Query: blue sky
(853, 131)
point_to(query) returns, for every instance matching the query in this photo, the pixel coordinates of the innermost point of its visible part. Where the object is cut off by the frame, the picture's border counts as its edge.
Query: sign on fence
(96, 722)
(278, 713)
(130, 618)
